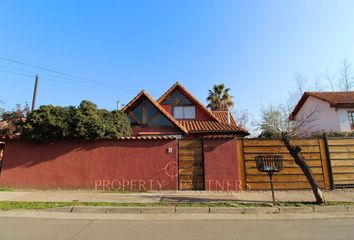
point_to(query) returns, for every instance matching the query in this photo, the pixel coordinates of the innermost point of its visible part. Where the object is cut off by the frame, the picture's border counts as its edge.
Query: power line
(61, 81)
(68, 76)
(62, 73)
(54, 78)
(17, 69)
(20, 74)
(50, 77)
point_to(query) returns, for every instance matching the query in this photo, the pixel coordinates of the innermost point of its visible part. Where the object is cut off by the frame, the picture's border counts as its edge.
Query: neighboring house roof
(335, 100)
(158, 106)
(224, 116)
(178, 86)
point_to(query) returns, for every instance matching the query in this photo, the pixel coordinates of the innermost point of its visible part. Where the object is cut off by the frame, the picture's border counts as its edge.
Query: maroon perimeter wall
(123, 165)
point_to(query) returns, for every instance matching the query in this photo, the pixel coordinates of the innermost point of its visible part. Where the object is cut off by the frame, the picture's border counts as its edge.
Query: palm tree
(219, 98)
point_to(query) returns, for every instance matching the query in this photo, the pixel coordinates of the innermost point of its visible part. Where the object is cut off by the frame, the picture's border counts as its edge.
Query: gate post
(329, 163)
(241, 162)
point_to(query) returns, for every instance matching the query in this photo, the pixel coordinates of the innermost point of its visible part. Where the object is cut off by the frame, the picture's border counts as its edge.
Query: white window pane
(189, 112)
(178, 112)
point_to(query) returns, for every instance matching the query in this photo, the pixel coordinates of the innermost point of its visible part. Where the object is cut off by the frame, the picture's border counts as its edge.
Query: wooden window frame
(173, 112)
(351, 119)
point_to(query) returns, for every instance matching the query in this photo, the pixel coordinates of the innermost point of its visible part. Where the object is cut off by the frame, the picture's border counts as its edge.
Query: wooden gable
(177, 95)
(144, 112)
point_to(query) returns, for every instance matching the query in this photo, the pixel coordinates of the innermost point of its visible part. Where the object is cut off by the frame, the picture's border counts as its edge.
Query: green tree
(48, 122)
(115, 123)
(85, 122)
(219, 98)
(91, 123)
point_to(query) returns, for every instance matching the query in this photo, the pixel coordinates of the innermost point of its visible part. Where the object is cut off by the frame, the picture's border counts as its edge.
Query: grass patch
(296, 204)
(6, 189)
(8, 205)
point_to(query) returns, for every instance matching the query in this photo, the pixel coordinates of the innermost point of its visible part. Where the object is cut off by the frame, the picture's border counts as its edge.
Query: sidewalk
(171, 196)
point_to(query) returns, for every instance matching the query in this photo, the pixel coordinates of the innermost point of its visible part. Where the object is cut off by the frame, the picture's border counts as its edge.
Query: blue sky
(118, 48)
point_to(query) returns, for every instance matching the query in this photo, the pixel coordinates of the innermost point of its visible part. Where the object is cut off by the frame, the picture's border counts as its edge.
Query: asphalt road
(48, 229)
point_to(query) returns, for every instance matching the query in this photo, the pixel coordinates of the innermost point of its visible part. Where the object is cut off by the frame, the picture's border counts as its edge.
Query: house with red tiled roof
(330, 111)
(178, 113)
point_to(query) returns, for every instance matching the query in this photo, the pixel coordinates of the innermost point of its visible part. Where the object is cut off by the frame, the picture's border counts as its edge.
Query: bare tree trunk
(295, 152)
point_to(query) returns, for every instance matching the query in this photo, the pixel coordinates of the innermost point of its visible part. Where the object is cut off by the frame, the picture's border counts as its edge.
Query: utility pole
(35, 93)
(117, 105)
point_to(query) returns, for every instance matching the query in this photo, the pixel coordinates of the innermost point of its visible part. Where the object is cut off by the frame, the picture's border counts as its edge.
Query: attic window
(184, 112)
(351, 119)
(146, 114)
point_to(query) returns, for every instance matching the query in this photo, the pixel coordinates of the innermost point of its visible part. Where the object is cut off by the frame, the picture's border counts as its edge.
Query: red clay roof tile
(223, 117)
(160, 137)
(194, 126)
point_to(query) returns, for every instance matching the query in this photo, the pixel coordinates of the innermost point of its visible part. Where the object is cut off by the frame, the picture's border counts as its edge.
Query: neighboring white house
(328, 111)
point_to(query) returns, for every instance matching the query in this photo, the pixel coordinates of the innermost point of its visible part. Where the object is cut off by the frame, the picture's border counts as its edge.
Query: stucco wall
(344, 119)
(221, 166)
(103, 165)
(326, 117)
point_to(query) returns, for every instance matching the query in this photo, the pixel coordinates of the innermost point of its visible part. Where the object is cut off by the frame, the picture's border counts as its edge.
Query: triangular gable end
(178, 87)
(154, 113)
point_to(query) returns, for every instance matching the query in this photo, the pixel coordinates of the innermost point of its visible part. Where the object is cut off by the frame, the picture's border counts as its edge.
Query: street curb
(262, 210)
(114, 210)
(351, 209)
(89, 209)
(296, 209)
(192, 210)
(215, 210)
(158, 210)
(227, 210)
(59, 209)
(330, 208)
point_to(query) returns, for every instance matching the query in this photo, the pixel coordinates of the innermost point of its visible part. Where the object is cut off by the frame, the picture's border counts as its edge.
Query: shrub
(48, 122)
(12, 122)
(85, 122)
